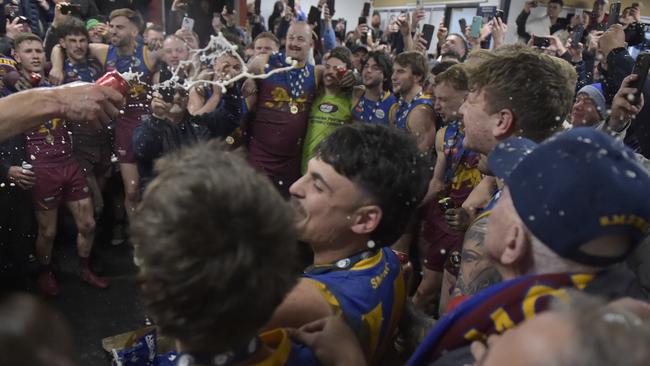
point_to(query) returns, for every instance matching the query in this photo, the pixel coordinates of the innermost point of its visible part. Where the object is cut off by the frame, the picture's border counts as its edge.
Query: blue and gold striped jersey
(370, 295)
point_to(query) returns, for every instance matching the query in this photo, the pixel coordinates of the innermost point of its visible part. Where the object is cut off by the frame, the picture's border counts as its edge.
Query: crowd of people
(357, 200)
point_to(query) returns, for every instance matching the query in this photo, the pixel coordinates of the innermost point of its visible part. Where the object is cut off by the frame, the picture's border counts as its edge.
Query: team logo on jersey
(379, 113)
(328, 108)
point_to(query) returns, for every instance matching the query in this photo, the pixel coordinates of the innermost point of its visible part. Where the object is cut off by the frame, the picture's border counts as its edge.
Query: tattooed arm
(476, 269)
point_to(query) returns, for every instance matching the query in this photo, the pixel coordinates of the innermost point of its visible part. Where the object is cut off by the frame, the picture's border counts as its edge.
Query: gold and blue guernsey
(369, 290)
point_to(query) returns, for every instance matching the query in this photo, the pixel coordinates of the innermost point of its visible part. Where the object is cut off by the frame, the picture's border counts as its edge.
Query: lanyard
(341, 264)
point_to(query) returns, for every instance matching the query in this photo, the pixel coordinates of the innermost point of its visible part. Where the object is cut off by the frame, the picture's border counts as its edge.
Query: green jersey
(328, 112)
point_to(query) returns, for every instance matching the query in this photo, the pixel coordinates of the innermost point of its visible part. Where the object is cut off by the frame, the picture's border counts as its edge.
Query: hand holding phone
(541, 42)
(641, 70)
(427, 34)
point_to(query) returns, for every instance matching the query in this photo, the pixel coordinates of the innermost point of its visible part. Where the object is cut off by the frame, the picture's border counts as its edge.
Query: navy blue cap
(575, 187)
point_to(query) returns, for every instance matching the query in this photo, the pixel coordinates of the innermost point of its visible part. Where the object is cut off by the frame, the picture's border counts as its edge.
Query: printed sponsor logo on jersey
(328, 108)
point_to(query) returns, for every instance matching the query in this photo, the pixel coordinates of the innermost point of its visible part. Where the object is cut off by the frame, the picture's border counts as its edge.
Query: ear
(62, 42)
(517, 244)
(366, 219)
(505, 124)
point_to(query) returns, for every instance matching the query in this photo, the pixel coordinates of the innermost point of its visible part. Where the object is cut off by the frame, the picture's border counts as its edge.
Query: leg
(130, 178)
(46, 220)
(46, 232)
(428, 291)
(96, 191)
(82, 211)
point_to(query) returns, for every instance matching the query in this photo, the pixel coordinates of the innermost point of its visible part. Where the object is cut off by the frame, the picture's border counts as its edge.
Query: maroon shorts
(124, 127)
(64, 183)
(444, 244)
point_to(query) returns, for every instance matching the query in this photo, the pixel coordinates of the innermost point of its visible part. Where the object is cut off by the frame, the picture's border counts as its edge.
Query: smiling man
(333, 106)
(281, 108)
(358, 194)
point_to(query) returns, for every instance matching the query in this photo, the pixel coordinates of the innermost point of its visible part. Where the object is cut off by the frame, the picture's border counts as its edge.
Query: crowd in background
(373, 203)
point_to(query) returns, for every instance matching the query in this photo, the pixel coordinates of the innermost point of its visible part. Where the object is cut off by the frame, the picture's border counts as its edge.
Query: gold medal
(293, 109)
(49, 139)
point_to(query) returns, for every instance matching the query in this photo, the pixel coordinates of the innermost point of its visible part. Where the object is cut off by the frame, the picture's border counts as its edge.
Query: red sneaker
(48, 284)
(93, 280)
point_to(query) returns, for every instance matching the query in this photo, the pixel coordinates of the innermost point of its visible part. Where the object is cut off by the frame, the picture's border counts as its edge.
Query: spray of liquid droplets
(217, 47)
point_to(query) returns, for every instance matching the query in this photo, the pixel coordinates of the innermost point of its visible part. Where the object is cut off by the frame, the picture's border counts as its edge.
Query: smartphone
(314, 15)
(463, 25)
(418, 4)
(499, 14)
(446, 204)
(541, 42)
(641, 69)
(291, 4)
(72, 9)
(614, 14)
(330, 6)
(427, 33)
(366, 10)
(477, 23)
(576, 37)
(258, 7)
(187, 24)
(363, 20)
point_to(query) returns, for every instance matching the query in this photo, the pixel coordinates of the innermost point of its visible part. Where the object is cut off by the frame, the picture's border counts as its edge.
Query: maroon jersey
(49, 144)
(276, 134)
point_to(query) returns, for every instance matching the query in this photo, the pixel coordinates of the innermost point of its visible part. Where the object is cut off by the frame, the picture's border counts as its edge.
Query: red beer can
(114, 80)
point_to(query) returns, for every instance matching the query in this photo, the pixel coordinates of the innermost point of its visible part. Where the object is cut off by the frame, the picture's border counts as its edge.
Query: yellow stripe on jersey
(327, 295)
(278, 341)
(368, 262)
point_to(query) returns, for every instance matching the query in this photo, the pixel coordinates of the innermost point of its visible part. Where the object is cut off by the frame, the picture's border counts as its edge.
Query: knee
(47, 232)
(86, 226)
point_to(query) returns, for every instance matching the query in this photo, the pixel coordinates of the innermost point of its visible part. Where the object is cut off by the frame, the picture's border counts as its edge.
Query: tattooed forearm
(476, 270)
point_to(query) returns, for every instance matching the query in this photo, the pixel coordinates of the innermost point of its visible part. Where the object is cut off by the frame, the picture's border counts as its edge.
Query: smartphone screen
(427, 33)
(641, 69)
(541, 42)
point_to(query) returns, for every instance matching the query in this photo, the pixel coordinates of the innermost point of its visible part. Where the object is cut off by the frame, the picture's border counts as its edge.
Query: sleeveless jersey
(137, 94)
(404, 109)
(370, 295)
(328, 112)
(88, 72)
(371, 111)
(461, 170)
(275, 134)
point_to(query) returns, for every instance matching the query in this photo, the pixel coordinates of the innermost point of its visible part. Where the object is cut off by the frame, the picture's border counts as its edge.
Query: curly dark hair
(217, 247)
(386, 164)
(382, 59)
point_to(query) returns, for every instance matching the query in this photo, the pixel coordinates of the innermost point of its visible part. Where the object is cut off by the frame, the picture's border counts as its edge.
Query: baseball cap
(575, 187)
